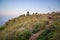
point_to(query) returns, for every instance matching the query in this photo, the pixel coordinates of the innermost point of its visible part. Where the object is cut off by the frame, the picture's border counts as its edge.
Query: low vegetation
(22, 27)
(24, 35)
(52, 33)
(2, 27)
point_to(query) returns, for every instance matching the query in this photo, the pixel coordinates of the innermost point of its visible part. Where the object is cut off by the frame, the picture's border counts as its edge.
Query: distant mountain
(32, 27)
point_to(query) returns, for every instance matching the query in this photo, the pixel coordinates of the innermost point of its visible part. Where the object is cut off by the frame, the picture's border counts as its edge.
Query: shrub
(27, 13)
(2, 27)
(36, 13)
(24, 35)
(51, 33)
(36, 29)
(48, 34)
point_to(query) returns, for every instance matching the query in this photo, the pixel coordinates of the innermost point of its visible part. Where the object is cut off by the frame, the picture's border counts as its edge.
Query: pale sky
(13, 8)
(17, 7)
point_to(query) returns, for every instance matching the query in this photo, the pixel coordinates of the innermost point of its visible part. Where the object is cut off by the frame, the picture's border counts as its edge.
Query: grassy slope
(21, 28)
(53, 33)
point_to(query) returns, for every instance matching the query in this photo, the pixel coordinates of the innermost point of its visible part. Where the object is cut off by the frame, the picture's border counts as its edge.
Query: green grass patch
(24, 35)
(2, 27)
(52, 32)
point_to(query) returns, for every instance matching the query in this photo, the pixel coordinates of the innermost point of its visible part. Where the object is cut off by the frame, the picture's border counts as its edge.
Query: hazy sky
(17, 7)
(13, 8)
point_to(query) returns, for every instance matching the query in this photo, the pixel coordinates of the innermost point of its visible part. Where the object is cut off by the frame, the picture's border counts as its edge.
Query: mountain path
(34, 36)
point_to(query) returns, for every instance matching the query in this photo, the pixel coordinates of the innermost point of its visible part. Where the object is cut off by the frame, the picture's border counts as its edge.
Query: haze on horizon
(13, 8)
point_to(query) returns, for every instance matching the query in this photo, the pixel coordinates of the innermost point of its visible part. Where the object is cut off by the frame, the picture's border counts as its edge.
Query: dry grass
(19, 24)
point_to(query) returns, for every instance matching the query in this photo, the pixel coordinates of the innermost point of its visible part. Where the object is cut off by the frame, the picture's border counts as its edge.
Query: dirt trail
(34, 36)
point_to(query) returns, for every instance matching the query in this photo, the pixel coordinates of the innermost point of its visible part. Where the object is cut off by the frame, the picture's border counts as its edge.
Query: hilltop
(32, 27)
